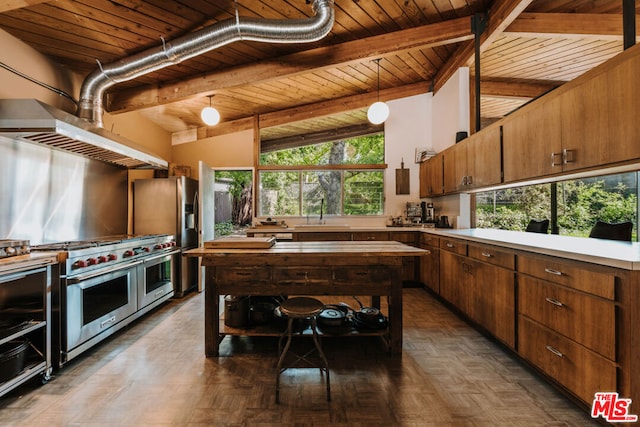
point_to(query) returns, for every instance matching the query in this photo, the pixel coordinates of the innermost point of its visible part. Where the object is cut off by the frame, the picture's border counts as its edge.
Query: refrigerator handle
(196, 212)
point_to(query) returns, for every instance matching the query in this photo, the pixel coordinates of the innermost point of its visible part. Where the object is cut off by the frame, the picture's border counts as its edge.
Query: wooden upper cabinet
(624, 109)
(431, 176)
(484, 158)
(474, 162)
(585, 124)
(455, 167)
(589, 123)
(530, 139)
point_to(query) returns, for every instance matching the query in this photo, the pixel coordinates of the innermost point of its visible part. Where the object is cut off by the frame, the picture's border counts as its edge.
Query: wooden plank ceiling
(303, 92)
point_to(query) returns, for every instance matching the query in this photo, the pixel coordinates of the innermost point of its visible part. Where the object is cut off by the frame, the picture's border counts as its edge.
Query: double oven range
(105, 284)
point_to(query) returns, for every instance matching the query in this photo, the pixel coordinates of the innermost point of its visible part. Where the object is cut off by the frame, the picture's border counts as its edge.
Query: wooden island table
(363, 268)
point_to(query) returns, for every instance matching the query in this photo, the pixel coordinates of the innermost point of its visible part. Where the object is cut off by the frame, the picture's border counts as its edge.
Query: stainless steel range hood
(36, 122)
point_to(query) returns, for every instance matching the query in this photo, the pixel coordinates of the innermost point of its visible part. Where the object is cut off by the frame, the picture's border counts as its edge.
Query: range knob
(80, 264)
(147, 249)
(128, 253)
(112, 257)
(102, 258)
(92, 261)
(160, 246)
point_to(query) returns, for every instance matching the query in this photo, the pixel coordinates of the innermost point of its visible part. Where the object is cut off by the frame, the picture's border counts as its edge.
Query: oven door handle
(153, 258)
(77, 279)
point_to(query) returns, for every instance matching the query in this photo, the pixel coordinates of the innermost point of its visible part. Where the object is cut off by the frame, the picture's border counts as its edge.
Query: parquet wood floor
(154, 373)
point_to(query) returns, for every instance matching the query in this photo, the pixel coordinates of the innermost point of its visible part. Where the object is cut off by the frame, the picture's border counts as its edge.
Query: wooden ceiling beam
(602, 25)
(352, 52)
(513, 89)
(339, 105)
(311, 111)
(319, 137)
(7, 5)
(500, 16)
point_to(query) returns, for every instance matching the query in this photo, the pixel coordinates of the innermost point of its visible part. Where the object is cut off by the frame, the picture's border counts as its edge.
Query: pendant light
(210, 115)
(378, 112)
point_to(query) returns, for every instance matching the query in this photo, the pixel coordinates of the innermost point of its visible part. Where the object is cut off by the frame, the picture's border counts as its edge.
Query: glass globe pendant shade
(378, 112)
(210, 116)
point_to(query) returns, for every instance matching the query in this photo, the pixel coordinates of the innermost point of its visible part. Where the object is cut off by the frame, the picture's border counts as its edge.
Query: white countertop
(598, 251)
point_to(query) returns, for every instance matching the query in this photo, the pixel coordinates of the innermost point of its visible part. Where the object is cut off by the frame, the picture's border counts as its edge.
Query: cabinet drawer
(408, 237)
(574, 275)
(578, 369)
(321, 236)
(429, 240)
(371, 235)
(589, 320)
(231, 275)
(363, 275)
(491, 255)
(456, 246)
(301, 275)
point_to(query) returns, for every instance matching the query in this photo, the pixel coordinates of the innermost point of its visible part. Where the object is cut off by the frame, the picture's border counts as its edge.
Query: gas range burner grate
(64, 246)
(10, 248)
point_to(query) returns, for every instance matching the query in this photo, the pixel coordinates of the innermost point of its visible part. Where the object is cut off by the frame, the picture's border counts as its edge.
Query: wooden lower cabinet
(577, 322)
(568, 323)
(588, 320)
(453, 279)
(491, 300)
(480, 281)
(581, 371)
(430, 264)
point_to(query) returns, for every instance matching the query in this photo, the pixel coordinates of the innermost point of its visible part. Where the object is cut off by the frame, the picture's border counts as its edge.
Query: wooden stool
(301, 308)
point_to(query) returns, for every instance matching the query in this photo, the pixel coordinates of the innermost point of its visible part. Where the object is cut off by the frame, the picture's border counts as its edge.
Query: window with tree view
(577, 204)
(343, 177)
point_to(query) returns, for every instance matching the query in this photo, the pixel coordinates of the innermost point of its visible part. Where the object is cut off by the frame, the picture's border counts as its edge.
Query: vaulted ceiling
(322, 88)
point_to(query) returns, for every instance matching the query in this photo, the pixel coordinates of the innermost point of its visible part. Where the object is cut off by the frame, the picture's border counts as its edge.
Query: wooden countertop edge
(365, 249)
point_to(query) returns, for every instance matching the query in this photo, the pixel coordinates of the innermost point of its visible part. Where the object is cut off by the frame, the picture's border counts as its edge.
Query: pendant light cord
(378, 62)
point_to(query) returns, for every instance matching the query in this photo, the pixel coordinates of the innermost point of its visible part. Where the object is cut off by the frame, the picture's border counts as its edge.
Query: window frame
(315, 168)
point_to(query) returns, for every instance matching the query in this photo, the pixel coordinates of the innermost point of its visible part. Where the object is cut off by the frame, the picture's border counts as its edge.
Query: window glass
(364, 193)
(315, 187)
(279, 193)
(580, 203)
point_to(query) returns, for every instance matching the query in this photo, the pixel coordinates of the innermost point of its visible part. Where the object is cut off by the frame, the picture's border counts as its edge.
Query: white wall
(407, 128)
(451, 110)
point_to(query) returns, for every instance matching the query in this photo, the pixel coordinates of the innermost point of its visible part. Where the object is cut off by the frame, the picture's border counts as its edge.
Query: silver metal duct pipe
(199, 42)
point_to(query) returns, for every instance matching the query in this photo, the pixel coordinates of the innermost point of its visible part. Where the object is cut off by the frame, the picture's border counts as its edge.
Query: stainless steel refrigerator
(170, 206)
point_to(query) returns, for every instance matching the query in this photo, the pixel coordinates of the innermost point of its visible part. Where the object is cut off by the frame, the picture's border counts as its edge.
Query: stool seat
(301, 307)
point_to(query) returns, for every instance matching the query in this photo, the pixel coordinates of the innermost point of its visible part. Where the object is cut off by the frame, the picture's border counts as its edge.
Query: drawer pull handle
(554, 302)
(551, 271)
(486, 254)
(243, 273)
(451, 245)
(555, 351)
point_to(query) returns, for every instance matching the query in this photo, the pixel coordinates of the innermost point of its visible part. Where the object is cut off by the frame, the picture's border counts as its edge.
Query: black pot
(261, 313)
(333, 315)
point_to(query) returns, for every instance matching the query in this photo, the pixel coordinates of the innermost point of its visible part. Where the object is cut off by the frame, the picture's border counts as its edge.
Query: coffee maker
(428, 213)
(414, 213)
